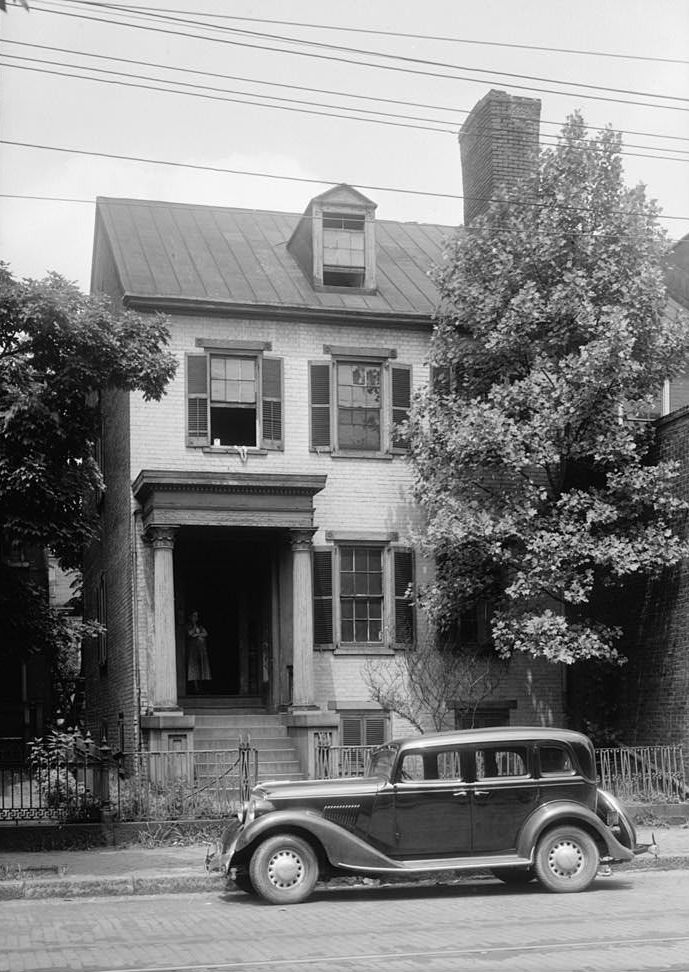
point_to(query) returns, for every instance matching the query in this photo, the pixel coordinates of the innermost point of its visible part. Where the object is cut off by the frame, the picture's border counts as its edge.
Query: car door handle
(482, 793)
(459, 793)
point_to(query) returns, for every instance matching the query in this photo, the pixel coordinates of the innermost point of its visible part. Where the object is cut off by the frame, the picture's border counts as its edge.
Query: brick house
(268, 492)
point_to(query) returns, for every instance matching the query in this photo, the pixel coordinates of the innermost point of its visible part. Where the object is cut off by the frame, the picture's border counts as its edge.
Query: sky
(620, 62)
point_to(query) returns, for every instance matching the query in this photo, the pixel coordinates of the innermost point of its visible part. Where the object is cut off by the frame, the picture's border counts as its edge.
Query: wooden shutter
(271, 404)
(374, 730)
(197, 400)
(401, 402)
(323, 596)
(320, 405)
(404, 608)
(351, 731)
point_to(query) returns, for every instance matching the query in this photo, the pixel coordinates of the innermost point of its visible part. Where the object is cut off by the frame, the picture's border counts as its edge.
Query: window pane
(361, 631)
(347, 631)
(347, 584)
(554, 761)
(375, 630)
(217, 368)
(347, 608)
(347, 558)
(500, 763)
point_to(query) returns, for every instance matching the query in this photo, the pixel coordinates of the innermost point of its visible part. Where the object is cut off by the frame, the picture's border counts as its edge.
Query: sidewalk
(166, 870)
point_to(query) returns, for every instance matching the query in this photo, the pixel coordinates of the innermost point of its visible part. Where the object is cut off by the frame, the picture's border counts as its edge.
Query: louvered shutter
(401, 402)
(323, 596)
(271, 404)
(404, 608)
(374, 730)
(320, 405)
(197, 400)
(351, 731)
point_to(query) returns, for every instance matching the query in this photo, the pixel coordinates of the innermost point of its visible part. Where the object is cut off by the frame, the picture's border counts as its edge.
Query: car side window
(416, 767)
(501, 763)
(555, 761)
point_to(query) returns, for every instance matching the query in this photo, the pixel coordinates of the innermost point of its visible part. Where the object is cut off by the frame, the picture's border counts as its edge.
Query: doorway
(226, 577)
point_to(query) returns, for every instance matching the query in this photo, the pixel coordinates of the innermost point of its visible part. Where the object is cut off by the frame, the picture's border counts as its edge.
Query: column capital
(301, 539)
(161, 537)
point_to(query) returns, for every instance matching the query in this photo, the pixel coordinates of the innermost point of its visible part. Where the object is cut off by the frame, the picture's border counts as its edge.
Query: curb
(187, 882)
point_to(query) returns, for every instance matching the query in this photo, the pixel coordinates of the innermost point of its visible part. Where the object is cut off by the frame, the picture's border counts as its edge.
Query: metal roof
(209, 253)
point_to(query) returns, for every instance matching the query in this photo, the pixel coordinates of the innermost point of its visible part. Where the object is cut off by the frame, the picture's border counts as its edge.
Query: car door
(432, 805)
(504, 792)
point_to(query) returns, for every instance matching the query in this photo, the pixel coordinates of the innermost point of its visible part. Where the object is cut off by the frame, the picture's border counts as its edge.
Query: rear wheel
(284, 869)
(514, 875)
(566, 860)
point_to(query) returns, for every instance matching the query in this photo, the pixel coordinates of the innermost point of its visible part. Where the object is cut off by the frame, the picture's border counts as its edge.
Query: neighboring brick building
(268, 491)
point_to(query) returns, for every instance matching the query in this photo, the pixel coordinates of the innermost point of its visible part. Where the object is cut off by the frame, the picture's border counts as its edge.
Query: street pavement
(176, 869)
(633, 921)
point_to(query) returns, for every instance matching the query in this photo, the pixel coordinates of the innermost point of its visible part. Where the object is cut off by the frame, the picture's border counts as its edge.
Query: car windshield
(380, 762)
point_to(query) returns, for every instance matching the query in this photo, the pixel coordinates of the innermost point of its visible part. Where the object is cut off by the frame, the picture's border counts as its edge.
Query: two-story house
(257, 526)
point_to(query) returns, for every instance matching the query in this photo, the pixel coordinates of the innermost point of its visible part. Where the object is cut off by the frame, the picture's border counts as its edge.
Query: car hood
(312, 789)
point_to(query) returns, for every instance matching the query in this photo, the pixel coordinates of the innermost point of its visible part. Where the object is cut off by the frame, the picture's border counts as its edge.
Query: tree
(59, 350)
(554, 336)
(432, 683)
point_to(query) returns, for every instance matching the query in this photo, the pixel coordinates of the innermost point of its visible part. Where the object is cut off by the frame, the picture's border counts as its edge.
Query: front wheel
(284, 869)
(566, 860)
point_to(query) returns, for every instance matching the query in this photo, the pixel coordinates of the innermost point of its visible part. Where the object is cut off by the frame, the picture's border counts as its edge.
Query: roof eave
(277, 312)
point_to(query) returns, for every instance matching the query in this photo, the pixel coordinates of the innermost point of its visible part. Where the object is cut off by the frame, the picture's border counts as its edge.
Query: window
(358, 404)
(445, 765)
(501, 763)
(363, 729)
(344, 251)
(555, 761)
(361, 595)
(234, 399)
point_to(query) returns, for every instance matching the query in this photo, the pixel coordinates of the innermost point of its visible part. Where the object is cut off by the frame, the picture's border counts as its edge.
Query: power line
(304, 88)
(200, 91)
(395, 33)
(158, 16)
(361, 63)
(312, 181)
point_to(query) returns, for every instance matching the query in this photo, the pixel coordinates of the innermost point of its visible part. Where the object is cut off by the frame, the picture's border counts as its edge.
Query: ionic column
(302, 613)
(163, 678)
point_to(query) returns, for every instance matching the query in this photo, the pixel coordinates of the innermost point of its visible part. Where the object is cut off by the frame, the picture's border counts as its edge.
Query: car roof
(491, 735)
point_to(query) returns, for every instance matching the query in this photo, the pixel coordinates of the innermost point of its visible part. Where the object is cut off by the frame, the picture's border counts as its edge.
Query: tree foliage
(554, 336)
(59, 350)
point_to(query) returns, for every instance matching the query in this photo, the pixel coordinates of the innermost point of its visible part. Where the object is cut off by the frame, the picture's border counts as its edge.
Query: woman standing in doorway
(198, 665)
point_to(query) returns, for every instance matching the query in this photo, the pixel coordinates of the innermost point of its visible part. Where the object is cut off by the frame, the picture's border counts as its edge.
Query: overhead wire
(230, 96)
(361, 63)
(434, 194)
(305, 88)
(165, 18)
(393, 33)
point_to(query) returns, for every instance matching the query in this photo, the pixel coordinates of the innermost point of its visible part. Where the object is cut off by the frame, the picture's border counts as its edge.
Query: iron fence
(64, 782)
(644, 774)
(333, 761)
(177, 785)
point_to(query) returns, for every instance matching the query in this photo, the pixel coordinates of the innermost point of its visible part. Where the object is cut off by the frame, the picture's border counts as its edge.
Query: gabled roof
(191, 253)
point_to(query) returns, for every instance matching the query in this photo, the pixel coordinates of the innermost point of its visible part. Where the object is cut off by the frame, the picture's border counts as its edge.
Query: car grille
(343, 814)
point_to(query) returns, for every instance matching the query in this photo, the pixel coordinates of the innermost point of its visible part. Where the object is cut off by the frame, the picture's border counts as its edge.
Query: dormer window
(335, 241)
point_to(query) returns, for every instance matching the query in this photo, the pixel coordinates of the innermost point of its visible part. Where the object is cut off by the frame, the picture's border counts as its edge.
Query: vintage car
(522, 803)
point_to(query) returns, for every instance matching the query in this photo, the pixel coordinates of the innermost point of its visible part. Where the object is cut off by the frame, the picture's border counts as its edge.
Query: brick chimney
(498, 145)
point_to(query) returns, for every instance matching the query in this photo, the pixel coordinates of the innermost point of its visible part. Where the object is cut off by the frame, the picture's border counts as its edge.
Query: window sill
(346, 454)
(233, 450)
(364, 649)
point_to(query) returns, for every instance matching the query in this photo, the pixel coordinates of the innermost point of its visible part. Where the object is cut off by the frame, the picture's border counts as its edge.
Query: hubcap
(285, 869)
(565, 859)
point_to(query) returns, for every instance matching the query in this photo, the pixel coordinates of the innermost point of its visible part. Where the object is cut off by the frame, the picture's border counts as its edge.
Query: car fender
(338, 844)
(551, 814)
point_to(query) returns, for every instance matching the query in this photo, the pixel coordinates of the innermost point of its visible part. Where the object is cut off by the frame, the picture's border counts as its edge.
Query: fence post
(324, 741)
(245, 783)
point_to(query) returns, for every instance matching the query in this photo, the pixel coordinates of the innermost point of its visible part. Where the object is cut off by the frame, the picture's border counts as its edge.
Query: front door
(224, 579)
(503, 795)
(432, 806)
